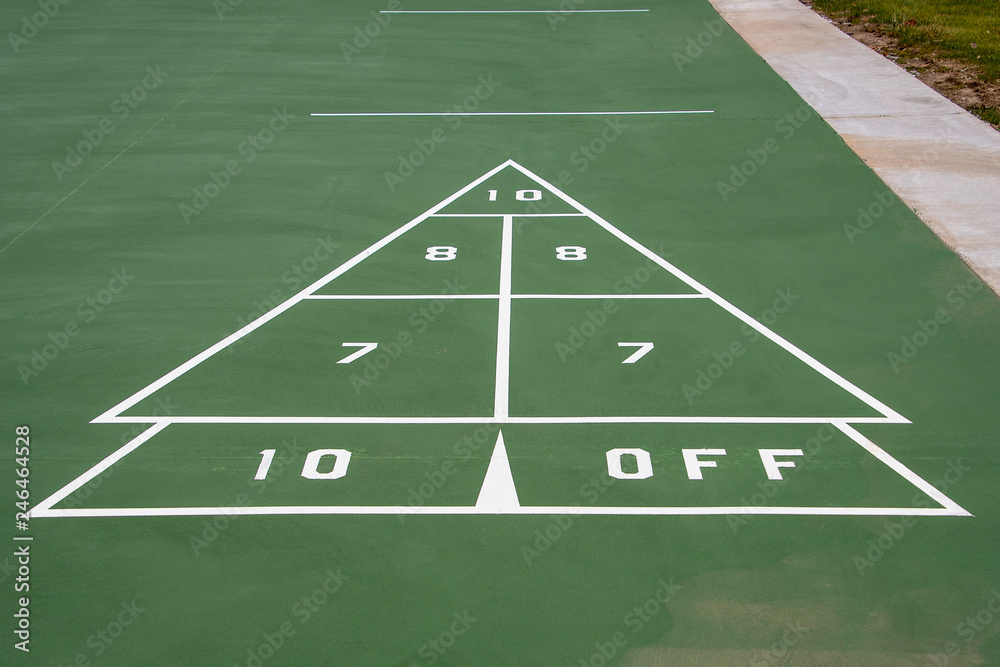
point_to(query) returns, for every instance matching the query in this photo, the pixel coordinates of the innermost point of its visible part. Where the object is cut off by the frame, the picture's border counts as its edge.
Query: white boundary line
(471, 510)
(609, 296)
(44, 508)
(453, 297)
(397, 297)
(486, 419)
(515, 113)
(510, 11)
(910, 476)
(516, 215)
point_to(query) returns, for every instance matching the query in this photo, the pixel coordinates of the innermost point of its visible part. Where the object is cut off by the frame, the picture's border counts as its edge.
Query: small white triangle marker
(498, 494)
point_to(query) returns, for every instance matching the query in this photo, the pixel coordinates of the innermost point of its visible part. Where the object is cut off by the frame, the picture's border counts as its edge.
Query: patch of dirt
(959, 82)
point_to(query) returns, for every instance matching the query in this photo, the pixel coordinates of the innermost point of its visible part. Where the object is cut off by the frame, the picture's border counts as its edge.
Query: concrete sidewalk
(941, 160)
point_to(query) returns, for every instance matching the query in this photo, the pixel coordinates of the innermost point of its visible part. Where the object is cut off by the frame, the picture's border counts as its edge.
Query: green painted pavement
(144, 253)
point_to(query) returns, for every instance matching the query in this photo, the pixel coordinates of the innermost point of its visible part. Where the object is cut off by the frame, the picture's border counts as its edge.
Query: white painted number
(643, 464)
(365, 349)
(528, 195)
(571, 252)
(493, 195)
(441, 253)
(310, 470)
(638, 354)
(266, 457)
(342, 458)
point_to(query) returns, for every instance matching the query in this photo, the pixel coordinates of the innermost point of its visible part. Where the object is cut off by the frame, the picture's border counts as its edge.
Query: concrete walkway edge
(938, 158)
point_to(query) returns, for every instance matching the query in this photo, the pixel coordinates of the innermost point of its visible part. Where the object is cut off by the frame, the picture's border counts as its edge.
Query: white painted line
(910, 476)
(451, 297)
(502, 391)
(397, 297)
(41, 508)
(294, 299)
(498, 494)
(485, 419)
(467, 510)
(510, 11)
(843, 383)
(502, 215)
(609, 296)
(516, 113)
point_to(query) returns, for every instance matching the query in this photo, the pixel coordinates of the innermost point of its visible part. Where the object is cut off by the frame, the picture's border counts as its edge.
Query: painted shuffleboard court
(463, 334)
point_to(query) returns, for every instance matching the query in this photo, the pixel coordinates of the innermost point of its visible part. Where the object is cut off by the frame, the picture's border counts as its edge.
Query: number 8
(571, 252)
(441, 253)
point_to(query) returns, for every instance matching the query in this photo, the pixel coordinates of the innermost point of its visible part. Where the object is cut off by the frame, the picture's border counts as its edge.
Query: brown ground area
(958, 81)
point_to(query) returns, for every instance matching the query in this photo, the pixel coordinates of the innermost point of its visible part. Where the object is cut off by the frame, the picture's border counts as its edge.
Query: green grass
(967, 30)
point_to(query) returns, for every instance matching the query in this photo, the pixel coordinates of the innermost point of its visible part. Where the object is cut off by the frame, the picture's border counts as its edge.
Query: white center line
(500, 404)
(519, 113)
(510, 11)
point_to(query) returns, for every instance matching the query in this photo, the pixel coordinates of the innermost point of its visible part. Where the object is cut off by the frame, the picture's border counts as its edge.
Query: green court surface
(390, 334)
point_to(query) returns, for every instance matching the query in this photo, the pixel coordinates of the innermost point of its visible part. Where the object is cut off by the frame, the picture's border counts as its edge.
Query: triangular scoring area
(470, 396)
(509, 192)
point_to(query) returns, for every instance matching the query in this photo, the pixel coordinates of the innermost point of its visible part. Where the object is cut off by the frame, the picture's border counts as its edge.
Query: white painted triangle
(498, 494)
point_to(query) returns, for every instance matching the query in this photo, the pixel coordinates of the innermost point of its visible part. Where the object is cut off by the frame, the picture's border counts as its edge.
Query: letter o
(644, 465)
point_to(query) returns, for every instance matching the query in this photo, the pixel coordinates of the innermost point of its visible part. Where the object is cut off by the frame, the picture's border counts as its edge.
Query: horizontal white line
(516, 113)
(504, 215)
(490, 420)
(391, 297)
(510, 11)
(610, 296)
(549, 510)
(451, 297)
